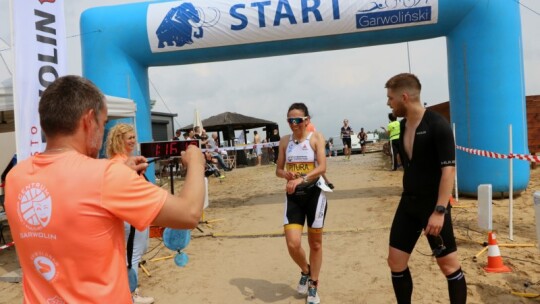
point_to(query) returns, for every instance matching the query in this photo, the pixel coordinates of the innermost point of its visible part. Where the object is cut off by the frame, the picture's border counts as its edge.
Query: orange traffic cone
(495, 262)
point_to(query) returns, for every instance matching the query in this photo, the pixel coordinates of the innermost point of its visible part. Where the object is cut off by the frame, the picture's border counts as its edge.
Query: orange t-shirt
(66, 213)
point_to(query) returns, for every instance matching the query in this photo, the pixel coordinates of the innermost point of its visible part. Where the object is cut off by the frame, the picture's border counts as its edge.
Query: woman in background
(121, 142)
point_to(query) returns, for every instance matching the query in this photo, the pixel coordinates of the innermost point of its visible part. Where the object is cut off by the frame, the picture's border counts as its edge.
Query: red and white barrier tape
(241, 148)
(6, 246)
(531, 158)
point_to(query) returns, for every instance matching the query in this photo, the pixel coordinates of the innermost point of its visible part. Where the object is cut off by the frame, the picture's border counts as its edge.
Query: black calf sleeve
(457, 287)
(403, 286)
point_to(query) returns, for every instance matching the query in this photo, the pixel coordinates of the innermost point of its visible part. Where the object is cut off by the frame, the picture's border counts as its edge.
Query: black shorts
(347, 142)
(306, 203)
(411, 218)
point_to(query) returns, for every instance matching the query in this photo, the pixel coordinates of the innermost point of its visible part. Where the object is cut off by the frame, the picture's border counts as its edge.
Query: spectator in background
(362, 136)
(346, 132)
(213, 149)
(257, 149)
(176, 160)
(274, 138)
(178, 133)
(204, 139)
(120, 145)
(393, 133)
(191, 135)
(197, 132)
(328, 147)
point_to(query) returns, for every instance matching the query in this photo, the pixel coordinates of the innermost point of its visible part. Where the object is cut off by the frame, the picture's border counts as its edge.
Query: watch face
(440, 209)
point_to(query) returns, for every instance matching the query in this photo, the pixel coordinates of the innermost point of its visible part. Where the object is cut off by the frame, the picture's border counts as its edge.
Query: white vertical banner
(39, 48)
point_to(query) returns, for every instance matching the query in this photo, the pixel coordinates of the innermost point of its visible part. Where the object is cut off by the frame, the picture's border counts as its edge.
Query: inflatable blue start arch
(485, 62)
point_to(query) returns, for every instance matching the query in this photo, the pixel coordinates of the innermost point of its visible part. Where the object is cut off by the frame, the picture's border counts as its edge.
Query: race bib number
(300, 168)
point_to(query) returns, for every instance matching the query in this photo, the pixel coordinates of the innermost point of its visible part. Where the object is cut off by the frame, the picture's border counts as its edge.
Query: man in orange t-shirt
(66, 208)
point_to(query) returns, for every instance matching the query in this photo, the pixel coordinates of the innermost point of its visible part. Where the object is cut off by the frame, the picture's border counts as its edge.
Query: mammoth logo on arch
(182, 23)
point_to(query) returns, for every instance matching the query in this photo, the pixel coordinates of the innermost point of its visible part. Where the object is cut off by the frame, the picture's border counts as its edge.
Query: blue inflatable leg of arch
(485, 61)
(487, 94)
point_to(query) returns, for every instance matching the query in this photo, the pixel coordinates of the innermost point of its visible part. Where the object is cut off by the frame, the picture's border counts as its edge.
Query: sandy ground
(240, 255)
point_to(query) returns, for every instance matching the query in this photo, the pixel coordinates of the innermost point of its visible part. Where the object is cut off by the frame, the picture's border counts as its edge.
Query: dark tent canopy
(228, 122)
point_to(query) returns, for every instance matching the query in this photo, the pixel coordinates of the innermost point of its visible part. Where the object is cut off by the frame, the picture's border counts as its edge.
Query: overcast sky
(335, 84)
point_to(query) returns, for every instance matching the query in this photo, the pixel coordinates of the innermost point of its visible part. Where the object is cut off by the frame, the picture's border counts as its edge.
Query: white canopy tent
(118, 107)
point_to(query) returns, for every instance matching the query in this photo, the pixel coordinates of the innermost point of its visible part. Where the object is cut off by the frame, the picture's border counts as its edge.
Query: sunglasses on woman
(296, 120)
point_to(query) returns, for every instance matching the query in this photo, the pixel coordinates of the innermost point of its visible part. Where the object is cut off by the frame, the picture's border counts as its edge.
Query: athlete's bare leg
(293, 237)
(315, 252)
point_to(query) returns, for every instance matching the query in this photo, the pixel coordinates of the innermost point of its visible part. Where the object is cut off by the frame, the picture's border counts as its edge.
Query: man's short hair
(65, 101)
(403, 81)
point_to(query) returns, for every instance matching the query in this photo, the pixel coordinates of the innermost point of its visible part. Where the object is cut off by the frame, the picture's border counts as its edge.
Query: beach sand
(240, 255)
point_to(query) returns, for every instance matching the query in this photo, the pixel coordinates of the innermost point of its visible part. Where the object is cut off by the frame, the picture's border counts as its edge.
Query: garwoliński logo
(382, 13)
(35, 206)
(182, 23)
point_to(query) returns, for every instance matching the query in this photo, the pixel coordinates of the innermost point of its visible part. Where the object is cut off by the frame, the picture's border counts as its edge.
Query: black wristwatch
(440, 209)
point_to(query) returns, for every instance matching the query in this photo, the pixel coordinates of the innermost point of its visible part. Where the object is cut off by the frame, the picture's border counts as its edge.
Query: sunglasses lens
(295, 120)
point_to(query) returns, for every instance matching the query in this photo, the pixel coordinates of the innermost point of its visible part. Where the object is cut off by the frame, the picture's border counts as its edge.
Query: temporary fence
(510, 156)
(530, 158)
(243, 147)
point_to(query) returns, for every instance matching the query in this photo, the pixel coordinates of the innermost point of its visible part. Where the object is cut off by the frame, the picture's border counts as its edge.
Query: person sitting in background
(120, 145)
(204, 139)
(213, 150)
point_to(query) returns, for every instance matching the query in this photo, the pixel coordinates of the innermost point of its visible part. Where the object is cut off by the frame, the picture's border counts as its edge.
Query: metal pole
(408, 57)
(171, 167)
(511, 187)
